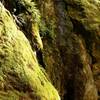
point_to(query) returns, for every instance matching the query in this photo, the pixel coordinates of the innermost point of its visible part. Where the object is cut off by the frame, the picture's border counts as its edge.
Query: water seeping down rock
(53, 42)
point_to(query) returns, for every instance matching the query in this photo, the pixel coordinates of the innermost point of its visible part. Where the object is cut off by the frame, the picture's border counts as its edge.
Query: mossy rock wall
(20, 75)
(75, 30)
(64, 37)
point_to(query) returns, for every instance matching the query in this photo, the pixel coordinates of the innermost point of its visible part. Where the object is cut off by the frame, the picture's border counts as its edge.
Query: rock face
(71, 46)
(68, 55)
(21, 78)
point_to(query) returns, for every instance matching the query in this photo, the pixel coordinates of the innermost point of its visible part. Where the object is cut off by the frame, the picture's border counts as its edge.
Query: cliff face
(54, 41)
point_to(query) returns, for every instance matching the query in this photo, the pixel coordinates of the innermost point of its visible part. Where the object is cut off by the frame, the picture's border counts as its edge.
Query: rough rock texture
(86, 21)
(71, 42)
(21, 78)
(69, 51)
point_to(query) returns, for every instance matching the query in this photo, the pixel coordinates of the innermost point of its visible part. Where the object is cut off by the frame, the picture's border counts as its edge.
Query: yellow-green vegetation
(36, 36)
(32, 18)
(85, 16)
(30, 8)
(87, 12)
(27, 17)
(47, 30)
(20, 74)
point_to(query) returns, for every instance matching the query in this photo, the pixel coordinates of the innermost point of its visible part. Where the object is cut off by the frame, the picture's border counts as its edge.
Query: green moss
(31, 8)
(47, 29)
(20, 74)
(27, 18)
(80, 10)
(32, 20)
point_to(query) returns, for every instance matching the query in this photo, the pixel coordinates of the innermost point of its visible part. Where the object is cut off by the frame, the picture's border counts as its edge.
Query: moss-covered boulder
(20, 75)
